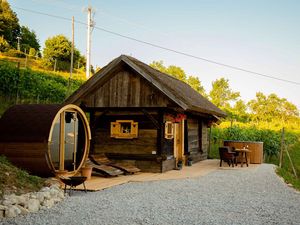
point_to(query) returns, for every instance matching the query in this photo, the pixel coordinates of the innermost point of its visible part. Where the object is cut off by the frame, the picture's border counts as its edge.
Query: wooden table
(243, 153)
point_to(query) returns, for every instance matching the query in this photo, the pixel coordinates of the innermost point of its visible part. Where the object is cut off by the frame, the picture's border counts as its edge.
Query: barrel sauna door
(66, 148)
(179, 141)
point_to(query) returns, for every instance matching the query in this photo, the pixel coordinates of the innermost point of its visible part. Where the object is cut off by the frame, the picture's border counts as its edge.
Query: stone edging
(13, 205)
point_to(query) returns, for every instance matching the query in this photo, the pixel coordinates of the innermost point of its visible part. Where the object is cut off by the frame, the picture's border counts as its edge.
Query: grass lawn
(14, 180)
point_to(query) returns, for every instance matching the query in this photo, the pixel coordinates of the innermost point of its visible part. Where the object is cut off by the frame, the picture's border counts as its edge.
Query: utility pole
(72, 49)
(90, 24)
(72, 57)
(19, 38)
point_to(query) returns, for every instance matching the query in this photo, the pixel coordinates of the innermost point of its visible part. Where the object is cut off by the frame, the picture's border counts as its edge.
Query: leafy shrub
(32, 52)
(15, 53)
(4, 46)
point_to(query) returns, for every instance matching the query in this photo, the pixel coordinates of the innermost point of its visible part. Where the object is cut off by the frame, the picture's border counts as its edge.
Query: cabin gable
(126, 88)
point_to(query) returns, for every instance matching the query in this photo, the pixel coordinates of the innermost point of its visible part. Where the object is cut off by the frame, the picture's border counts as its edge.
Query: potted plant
(189, 161)
(86, 171)
(179, 164)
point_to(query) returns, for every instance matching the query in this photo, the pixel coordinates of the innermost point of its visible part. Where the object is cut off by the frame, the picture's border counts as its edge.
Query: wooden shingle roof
(178, 91)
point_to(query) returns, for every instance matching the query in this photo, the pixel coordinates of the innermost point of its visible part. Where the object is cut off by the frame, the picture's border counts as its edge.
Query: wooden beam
(154, 121)
(97, 118)
(160, 133)
(143, 157)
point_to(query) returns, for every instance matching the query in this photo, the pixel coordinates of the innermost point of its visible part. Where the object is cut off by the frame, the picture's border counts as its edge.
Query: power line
(166, 49)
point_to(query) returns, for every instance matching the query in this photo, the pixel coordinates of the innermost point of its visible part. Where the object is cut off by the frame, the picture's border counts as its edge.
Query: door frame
(179, 142)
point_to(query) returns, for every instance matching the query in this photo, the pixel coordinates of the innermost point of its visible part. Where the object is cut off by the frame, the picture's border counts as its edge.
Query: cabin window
(124, 129)
(169, 130)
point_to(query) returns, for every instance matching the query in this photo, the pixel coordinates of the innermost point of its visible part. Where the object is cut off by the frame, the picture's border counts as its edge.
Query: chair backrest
(225, 152)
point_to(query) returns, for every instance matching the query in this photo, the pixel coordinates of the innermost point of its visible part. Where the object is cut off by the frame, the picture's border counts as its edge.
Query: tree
(271, 108)
(58, 48)
(195, 83)
(4, 46)
(221, 94)
(159, 65)
(32, 52)
(28, 40)
(176, 72)
(172, 70)
(180, 74)
(9, 24)
(239, 111)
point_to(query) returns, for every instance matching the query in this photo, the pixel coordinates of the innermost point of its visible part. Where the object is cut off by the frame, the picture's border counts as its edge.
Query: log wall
(197, 139)
(126, 89)
(146, 143)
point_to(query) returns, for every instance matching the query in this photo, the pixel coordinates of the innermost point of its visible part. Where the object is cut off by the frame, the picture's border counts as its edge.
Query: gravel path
(254, 196)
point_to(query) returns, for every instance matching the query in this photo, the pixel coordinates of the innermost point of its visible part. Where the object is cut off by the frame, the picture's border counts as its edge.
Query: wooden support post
(160, 132)
(209, 143)
(62, 142)
(93, 128)
(281, 148)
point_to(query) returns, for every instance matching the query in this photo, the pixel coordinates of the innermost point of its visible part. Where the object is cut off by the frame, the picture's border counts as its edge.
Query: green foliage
(180, 74)
(4, 46)
(221, 94)
(176, 72)
(15, 53)
(32, 52)
(195, 83)
(34, 85)
(286, 171)
(172, 70)
(58, 48)
(9, 24)
(270, 138)
(159, 65)
(28, 40)
(271, 108)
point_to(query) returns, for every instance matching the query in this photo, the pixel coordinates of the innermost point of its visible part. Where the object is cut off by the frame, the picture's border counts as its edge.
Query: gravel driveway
(238, 196)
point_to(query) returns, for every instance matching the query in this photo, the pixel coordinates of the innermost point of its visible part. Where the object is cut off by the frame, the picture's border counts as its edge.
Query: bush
(4, 46)
(15, 53)
(32, 52)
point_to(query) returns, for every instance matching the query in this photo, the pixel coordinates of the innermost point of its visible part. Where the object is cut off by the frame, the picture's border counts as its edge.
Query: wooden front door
(179, 141)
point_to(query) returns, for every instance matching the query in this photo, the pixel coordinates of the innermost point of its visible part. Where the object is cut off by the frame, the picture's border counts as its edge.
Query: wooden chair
(227, 155)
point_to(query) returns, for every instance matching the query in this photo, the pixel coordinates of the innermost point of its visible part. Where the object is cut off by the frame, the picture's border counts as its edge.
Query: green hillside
(24, 85)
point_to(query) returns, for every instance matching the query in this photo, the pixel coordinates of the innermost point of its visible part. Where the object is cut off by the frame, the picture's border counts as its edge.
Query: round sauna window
(69, 141)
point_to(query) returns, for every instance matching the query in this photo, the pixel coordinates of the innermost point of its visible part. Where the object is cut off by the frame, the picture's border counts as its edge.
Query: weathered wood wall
(205, 141)
(146, 143)
(193, 136)
(197, 139)
(126, 89)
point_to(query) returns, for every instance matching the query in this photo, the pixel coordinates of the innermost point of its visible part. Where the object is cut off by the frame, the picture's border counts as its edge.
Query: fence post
(288, 154)
(281, 148)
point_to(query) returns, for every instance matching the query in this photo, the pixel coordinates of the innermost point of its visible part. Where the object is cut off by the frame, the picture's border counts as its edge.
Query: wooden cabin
(142, 116)
(45, 139)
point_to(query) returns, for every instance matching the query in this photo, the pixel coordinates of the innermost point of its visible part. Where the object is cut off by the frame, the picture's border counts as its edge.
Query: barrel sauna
(256, 148)
(45, 139)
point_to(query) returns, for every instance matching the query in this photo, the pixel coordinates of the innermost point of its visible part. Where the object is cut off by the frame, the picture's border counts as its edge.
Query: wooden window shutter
(114, 129)
(134, 129)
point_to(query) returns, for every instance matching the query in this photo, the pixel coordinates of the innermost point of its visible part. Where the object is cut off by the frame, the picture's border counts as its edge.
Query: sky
(260, 36)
